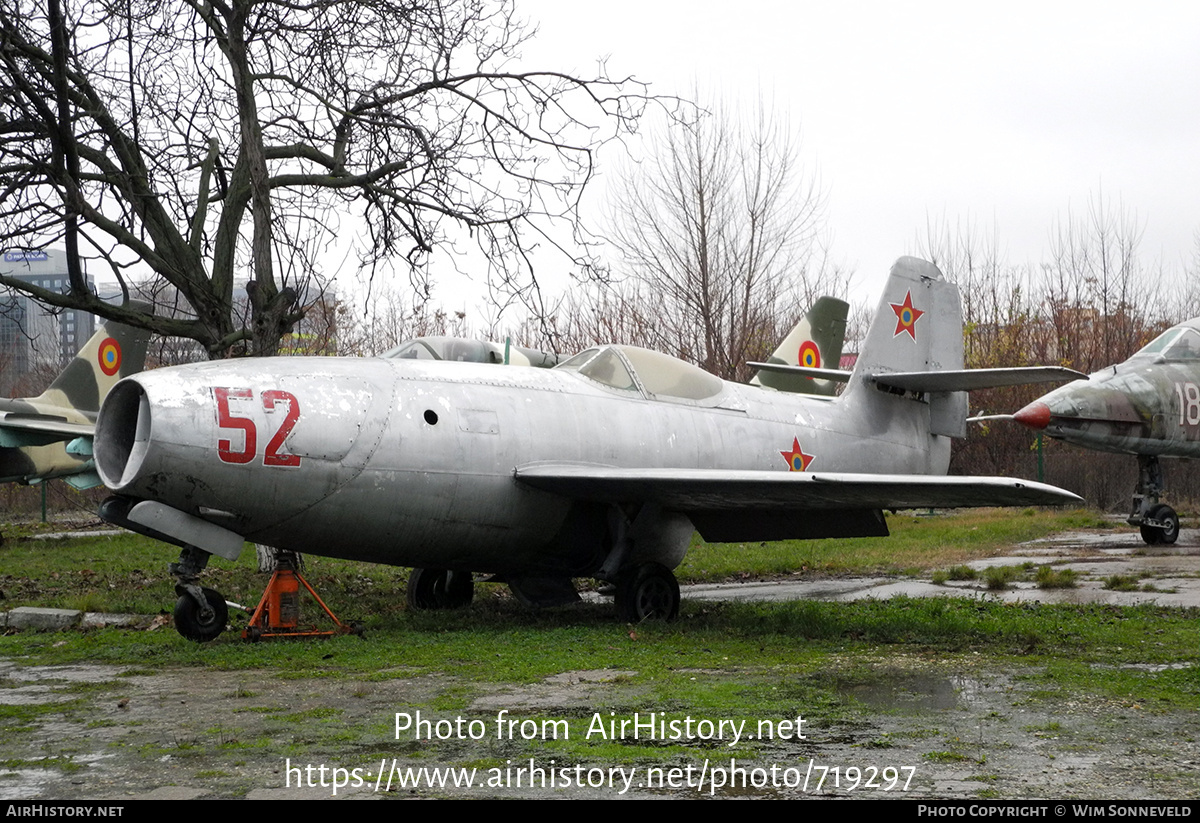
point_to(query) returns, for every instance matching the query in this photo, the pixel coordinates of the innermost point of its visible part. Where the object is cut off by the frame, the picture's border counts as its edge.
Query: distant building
(33, 336)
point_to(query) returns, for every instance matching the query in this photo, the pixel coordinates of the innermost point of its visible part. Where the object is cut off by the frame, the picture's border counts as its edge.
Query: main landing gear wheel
(1168, 532)
(193, 623)
(439, 589)
(647, 592)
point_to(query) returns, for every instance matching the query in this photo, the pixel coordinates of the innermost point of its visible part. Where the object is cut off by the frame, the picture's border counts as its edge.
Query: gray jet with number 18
(1148, 406)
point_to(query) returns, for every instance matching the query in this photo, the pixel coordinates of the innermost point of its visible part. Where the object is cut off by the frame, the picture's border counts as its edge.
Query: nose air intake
(122, 434)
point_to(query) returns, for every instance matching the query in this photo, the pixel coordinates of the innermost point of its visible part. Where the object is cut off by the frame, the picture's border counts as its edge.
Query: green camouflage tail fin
(113, 352)
(815, 343)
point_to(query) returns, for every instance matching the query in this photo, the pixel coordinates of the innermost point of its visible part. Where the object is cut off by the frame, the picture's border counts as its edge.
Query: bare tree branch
(216, 140)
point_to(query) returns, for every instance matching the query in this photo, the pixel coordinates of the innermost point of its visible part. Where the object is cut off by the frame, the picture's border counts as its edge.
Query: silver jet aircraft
(1148, 406)
(35, 431)
(602, 467)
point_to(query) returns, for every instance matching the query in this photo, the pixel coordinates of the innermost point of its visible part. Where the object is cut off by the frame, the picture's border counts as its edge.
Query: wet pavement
(959, 729)
(1164, 575)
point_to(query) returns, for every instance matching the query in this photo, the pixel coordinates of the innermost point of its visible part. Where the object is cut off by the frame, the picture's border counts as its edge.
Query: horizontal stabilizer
(699, 490)
(803, 371)
(18, 430)
(941, 381)
(971, 379)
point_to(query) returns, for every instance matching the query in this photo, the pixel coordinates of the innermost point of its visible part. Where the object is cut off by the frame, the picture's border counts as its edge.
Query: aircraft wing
(765, 505)
(18, 430)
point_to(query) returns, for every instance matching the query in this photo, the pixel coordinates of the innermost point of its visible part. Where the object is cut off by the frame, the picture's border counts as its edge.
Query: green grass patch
(1050, 578)
(998, 578)
(1122, 582)
(499, 642)
(917, 542)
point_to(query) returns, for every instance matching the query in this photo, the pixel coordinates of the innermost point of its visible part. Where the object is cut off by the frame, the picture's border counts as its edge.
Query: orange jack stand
(278, 612)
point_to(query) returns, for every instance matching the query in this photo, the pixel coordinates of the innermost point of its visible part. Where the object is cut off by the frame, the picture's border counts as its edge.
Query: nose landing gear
(1157, 522)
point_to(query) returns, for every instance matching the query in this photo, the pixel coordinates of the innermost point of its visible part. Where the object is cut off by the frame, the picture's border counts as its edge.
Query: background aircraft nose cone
(1036, 415)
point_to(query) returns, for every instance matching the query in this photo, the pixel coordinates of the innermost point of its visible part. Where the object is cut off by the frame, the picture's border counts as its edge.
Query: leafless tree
(203, 138)
(392, 316)
(719, 226)
(1103, 301)
(1092, 302)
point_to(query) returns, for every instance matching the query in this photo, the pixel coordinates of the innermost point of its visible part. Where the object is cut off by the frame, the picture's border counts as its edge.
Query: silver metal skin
(49, 435)
(1148, 406)
(601, 467)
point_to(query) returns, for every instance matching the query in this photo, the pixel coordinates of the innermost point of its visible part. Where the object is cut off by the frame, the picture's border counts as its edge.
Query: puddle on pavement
(912, 692)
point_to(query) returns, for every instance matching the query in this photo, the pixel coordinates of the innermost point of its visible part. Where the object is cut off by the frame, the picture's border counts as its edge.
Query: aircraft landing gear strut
(648, 591)
(200, 613)
(644, 590)
(1157, 521)
(439, 589)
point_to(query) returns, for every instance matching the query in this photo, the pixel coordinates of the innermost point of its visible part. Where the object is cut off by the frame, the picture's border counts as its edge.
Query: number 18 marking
(1189, 403)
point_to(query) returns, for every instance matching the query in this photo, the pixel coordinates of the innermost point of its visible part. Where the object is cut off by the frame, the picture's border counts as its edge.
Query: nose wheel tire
(647, 592)
(1168, 532)
(194, 624)
(439, 589)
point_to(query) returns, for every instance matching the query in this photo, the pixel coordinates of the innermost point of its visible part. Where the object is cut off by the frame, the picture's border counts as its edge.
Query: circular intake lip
(122, 434)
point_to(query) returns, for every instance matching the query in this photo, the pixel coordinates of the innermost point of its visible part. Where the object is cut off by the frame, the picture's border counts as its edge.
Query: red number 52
(227, 419)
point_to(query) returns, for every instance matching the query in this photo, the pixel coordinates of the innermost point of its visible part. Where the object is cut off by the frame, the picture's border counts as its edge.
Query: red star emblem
(796, 459)
(906, 316)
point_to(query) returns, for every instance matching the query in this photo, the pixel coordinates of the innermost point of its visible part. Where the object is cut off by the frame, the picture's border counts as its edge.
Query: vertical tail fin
(815, 342)
(917, 327)
(113, 352)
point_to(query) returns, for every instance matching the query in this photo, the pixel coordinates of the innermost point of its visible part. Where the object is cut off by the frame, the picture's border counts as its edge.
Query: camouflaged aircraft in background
(815, 343)
(1148, 406)
(50, 435)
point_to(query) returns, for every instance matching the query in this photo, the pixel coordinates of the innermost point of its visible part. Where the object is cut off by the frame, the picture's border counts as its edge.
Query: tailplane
(909, 377)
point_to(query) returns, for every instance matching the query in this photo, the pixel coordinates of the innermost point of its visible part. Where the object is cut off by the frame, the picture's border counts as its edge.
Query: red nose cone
(1036, 415)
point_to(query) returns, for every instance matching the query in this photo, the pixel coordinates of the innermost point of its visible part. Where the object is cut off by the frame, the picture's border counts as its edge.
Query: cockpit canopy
(470, 351)
(658, 376)
(1181, 343)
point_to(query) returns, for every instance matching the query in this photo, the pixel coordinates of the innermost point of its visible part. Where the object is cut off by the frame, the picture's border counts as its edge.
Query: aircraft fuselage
(1137, 407)
(409, 463)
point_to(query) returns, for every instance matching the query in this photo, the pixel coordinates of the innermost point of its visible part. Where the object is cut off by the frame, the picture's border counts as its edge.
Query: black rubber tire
(1164, 514)
(439, 589)
(647, 592)
(189, 623)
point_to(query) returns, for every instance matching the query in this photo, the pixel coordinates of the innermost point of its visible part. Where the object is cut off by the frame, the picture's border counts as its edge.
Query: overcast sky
(1004, 114)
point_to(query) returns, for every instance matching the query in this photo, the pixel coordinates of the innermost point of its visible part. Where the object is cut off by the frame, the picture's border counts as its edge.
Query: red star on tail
(906, 316)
